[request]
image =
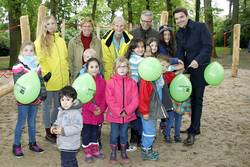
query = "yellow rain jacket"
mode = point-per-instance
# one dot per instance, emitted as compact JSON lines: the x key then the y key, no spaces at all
{"x":110,"y":53}
{"x":56,"y":63}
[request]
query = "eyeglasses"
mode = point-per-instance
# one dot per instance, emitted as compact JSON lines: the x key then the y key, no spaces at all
{"x":122,"y":66}
{"x":146,"y":21}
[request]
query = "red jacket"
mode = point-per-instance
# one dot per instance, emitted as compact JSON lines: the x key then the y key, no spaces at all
{"x":146,"y":90}
{"x":98,"y":101}
{"x":121,"y":91}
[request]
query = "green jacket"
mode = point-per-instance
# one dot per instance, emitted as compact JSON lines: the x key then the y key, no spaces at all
{"x":76,"y":50}
{"x":109,"y":54}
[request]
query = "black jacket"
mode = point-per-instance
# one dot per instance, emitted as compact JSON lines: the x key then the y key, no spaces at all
{"x":139,"y":33}
{"x":194,"y":43}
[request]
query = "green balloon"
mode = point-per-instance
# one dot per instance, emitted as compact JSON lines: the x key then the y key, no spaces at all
{"x":180,"y":88}
{"x":27,"y":88}
{"x":214,"y":74}
{"x":150,"y":69}
{"x":85,"y":87}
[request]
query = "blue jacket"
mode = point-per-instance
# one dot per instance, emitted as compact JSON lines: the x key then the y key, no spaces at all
{"x":194,"y":42}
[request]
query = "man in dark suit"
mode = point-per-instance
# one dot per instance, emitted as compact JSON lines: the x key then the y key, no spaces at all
{"x":194,"y":48}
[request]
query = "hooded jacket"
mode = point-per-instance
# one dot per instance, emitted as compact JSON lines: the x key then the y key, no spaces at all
{"x":121,"y":92}
{"x":98,"y":101}
{"x":56,"y":63}
{"x":109,"y":51}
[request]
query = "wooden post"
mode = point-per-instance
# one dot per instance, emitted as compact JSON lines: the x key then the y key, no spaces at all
{"x":236,"y":50}
{"x":41,"y":15}
{"x":25,"y":28}
{"x":5,"y":89}
{"x":164,"y":18}
{"x":63,"y":29}
{"x":98,"y":30}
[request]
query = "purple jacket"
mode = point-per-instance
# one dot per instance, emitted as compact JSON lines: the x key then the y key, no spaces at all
{"x":121,"y":92}
{"x":98,"y":101}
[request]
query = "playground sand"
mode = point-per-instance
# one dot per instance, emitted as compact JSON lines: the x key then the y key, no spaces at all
{"x":224,"y":139}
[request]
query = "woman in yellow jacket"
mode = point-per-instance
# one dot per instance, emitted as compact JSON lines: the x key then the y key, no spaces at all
{"x":114,"y":44}
{"x":52,"y":55}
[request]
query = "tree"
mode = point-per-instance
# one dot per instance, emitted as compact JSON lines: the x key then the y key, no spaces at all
{"x":197,"y":10}
{"x":94,"y":9}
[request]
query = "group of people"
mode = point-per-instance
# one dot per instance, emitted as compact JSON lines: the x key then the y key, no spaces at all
{"x":126,"y":98}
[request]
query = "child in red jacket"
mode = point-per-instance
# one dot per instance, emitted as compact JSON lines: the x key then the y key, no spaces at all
{"x":122,"y":99}
{"x":93,"y":114}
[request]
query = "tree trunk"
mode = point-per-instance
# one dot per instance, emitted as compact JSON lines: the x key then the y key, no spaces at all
{"x":170,"y":11}
{"x":209,"y":21}
{"x":94,"y":9}
{"x":53,"y":8}
{"x":14,"y":10}
{"x":147,"y":5}
{"x":230,"y":8}
{"x":130,"y":14}
{"x":197,"y":10}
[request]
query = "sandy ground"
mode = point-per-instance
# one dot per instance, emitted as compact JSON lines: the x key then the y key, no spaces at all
{"x":224,"y":139}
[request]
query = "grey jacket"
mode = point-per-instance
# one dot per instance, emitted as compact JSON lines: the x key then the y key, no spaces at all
{"x":139,"y":33}
{"x":71,"y":123}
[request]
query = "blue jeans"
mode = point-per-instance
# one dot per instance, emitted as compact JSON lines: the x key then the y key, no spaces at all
{"x":23,"y":112}
{"x":174,"y":118}
{"x":121,"y":130}
{"x":148,"y":133}
{"x":50,"y":108}
{"x":68,"y":159}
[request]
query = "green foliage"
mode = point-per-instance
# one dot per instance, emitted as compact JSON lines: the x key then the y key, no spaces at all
{"x":4,"y":43}
{"x":70,"y":33}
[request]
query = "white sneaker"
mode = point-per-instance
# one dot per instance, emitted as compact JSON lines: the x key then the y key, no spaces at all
{"x":131,"y":148}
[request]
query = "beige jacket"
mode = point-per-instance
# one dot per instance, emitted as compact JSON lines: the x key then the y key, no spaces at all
{"x":75,"y":49}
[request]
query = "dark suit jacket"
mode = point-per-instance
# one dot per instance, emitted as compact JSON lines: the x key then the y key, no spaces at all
{"x":194,"y":43}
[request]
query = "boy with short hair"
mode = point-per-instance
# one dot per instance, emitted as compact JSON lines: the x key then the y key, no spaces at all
{"x":68,"y":126}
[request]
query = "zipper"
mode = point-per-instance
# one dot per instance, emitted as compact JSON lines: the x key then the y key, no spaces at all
{"x":59,"y":61}
{"x":123,"y":92}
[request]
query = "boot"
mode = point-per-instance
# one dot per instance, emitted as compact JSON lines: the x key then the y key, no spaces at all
{"x":124,"y":155}
{"x":49,"y":136}
{"x":95,"y":151}
{"x":34,"y":147}
{"x":17,"y":151}
{"x":149,"y":154}
{"x":88,"y":156}
{"x":113,"y":154}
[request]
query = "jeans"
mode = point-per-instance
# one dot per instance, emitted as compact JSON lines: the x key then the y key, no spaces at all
{"x":50,"y":108}
{"x":148,"y":133}
{"x":68,"y":159}
{"x":89,"y":134}
{"x":121,"y":130}
{"x":174,"y":118}
{"x":23,"y":112}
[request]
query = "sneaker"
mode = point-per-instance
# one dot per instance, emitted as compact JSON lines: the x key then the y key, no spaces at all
{"x":167,"y":139}
{"x":131,"y":148}
{"x":149,"y":154}
{"x":17,"y":151}
{"x":34,"y":147}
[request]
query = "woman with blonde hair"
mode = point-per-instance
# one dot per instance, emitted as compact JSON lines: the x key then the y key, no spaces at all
{"x":77,"y":45}
{"x":52,"y":55}
{"x":114,"y":44}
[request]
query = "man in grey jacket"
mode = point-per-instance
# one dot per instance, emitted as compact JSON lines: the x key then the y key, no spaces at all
{"x":68,"y":127}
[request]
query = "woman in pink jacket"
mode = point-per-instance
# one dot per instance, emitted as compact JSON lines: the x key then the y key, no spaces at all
{"x":122,"y":100}
{"x":93,"y":114}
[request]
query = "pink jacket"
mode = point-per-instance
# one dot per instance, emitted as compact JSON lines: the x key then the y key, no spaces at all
{"x":118,"y":90}
{"x":98,"y":101}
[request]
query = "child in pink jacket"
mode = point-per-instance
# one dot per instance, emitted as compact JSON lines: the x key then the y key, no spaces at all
{"x":92,"y":114}
{"x":122,"y":100}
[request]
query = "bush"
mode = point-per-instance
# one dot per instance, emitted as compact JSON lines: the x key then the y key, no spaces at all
{"x":4,"y":43}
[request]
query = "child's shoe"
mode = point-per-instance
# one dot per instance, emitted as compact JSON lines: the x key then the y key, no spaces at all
{"x":177,"y":139}
{"x":34,"y":147}
{"x":95,"y":151}
{"x":113,"y":154}
{"x":124,"y":155}
{"x":167,"y":139}
{"x":88,"y":155}
{"x":17,"y":151}
{"x":149,"y":154}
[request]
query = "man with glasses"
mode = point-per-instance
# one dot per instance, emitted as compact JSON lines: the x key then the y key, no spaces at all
{"x":145,"y":30}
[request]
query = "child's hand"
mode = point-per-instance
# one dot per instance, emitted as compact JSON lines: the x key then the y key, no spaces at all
{"x":52,"y":130}
{"x":97,"y":111}
{"x":58,"y":131}
{"x":123,"y":113}
{"x":146,"y":116}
